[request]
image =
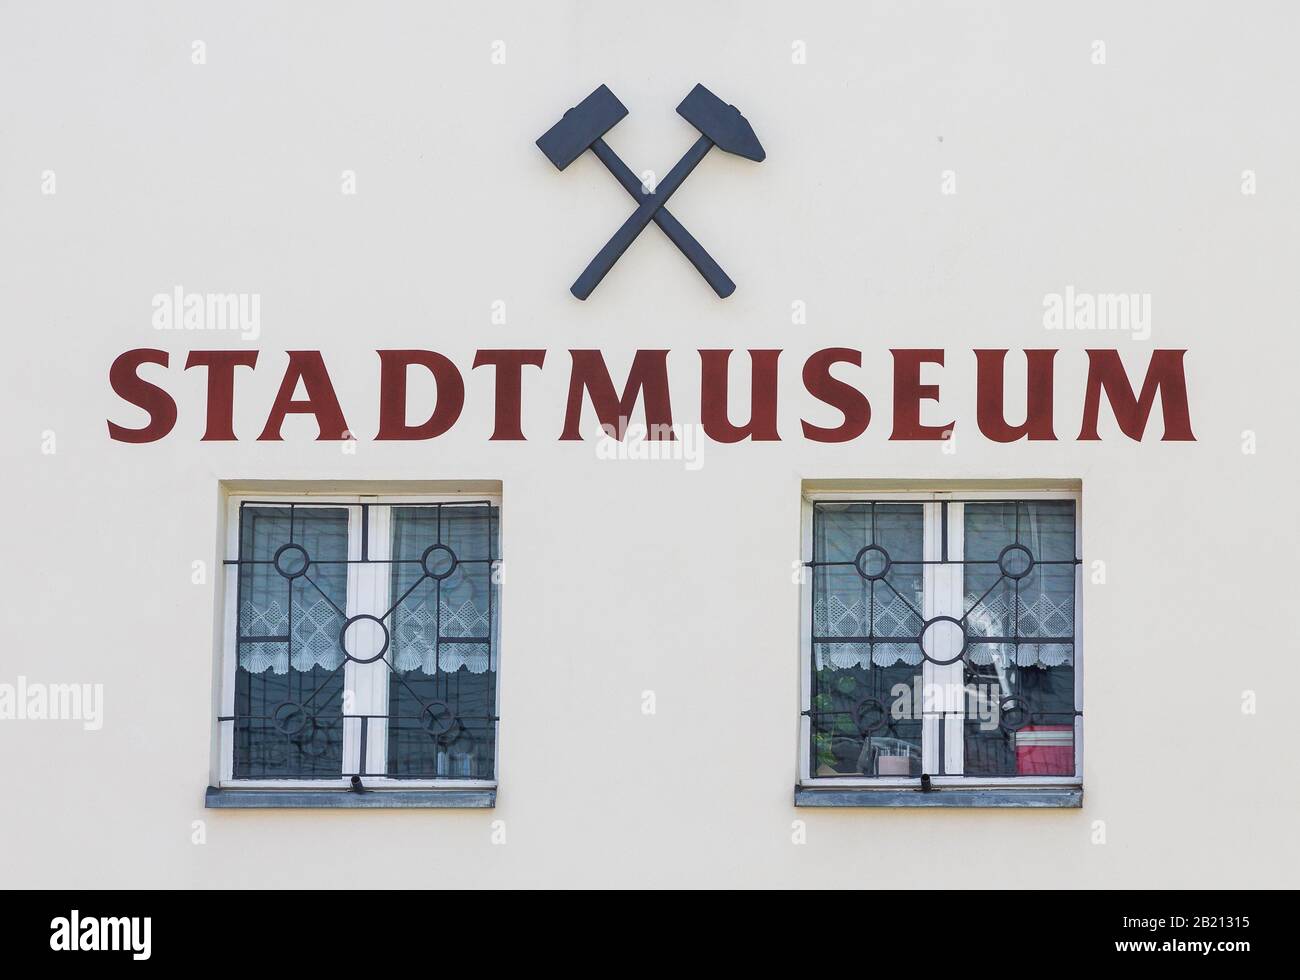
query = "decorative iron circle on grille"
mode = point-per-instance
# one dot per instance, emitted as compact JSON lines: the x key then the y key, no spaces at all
{"x":286,"y":558}
{"x":289,"y":718}
{"x":1011,"y":553}
{"x":438,"y":561}
{"x":867,"y":554}
{"x":437,"y":718}
{"x":357,"y":657}
{"x":936,"y":621}
{"x":1018,"y":708}
{"x":861,"y":708}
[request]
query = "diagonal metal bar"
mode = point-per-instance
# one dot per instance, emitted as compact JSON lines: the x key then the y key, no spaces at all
{"x":393,"y":608}
{"x":313,"y":584}
{"x":903,"y":600}
{"x":976,"y":603}
{"x":328,"y":677}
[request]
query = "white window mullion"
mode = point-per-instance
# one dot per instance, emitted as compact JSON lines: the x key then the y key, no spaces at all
{"x":352,"y":607}
{"x":951,"y":591}
{"x":944,"y":700}
{"x":931,"y":546}
{"x":373,"y":680}
{"x":365,"y":685}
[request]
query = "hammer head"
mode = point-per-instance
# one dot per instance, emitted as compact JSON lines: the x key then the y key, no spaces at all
{"x":721,"y":123}
{"x":581,"y":126}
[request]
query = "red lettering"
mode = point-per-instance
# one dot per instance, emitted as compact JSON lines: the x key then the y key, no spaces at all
{"x":1164,"y":374}
{"x":221,"y":366}
{"x":648,"y":375}
{"x":909,"y":393}
{"x":129,"y":386}
{"x":990,"y":391}
{"x":761,"y":426}
{"x":308,"y":367}
{"x":853,"y":404}
{"x":509,"y":366}
{"x":393,"y":369}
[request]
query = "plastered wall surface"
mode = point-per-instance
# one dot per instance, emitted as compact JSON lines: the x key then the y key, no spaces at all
{"x":1125,"y":176}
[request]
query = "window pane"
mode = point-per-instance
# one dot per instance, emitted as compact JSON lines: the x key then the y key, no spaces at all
{"x":289,"y":680}
{"x":1019,"y":585}
{"x":442,"y":695}
{"x":867,"y":603}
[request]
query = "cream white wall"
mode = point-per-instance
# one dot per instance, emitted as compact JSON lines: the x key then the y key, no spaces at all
{"x":633,"y":576}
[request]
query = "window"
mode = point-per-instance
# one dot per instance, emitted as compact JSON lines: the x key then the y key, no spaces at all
{"x":361,"y":641}
{"x":940,"y":641}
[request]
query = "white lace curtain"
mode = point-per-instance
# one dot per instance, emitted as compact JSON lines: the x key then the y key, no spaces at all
{"x":316,"y":637}
{"x":459,"y":608}
{"x":843,"y":601}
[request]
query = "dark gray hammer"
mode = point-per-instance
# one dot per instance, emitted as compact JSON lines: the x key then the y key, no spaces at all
{"x":584,"y":127}
{"x":719,"y":124}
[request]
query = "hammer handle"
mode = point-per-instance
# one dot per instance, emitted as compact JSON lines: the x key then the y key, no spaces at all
{"x":676,"y":232}
{"x":598,"y":267}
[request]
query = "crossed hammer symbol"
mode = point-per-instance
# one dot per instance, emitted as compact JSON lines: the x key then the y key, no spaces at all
{"x":584,"y":127}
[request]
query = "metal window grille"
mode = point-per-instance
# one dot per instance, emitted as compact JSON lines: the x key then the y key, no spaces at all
{"x":366,"y":640}
{"x":902,"y":662}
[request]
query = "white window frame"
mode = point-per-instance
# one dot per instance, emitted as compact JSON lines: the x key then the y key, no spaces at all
{"x":363,"y":680}
{"x":933,"y":576}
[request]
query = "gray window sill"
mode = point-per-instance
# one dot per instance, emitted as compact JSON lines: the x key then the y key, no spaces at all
{"x":344,"y":799}
{"x":1035,"y":798}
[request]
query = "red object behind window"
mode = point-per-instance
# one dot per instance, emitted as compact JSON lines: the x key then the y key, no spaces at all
{"x":1045,"y":750}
